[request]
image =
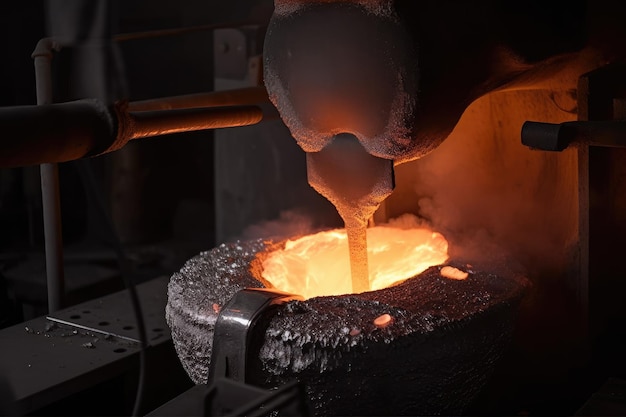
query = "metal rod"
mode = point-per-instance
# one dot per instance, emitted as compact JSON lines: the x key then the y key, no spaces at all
{"x":156,"y":123}
{"x":69,"y":131}
{"x":50,"y":195}
{"x":123,"y":37}
{"x":55,"y":132}
{"x":238,"y":97}
{"x":557,"y":137}
{"x":53,"y":236}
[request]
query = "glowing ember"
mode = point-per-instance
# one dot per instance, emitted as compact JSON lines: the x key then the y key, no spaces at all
{"x":318,"y":264}
{"x":383,"y":321}
{"x":453,"y":273}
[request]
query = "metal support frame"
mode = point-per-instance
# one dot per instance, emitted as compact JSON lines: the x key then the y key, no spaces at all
{"x":189,"y":113}
{"x":599,"y":136}
{"x":232,"y":338}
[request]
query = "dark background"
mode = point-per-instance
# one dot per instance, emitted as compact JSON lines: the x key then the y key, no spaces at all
{"x":160,"y":195}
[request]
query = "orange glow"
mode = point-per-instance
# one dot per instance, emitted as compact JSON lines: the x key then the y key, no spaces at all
{"x":383,"y":321}
{"x":451,"y":272}
{"x":318,"y":264}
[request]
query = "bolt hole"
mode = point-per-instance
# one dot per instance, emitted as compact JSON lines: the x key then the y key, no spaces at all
{"x":119,"y":350}
{"x":128,"y":327}
{"x":75,"y":316}
{"x":157,"y":329}
{"x":103,"y":323}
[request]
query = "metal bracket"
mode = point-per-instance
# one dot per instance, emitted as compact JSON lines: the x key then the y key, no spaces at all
{"x":599,"y":136}
{"x":601,"y":115}
{"x":235,"y":323}
{"x":238,"y":53}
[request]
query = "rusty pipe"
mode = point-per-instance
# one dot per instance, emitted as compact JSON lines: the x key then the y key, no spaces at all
{"x":68,"y":131}
{"x":242,"y":96}
{"x":162,"y":122}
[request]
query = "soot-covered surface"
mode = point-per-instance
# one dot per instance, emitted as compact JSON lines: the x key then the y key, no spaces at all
{"x":433,"y":356}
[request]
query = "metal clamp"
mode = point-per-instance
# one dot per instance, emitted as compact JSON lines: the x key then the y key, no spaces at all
{"x":558,"y":137}
{"x":235,"y":323}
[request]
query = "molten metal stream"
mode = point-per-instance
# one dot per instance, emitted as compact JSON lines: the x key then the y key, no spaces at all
{"x":356,"y":183}
{"x":357,"y":246}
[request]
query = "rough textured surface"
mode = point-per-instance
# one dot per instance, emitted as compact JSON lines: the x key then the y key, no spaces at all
{"x":326,"y":80}
{"x":443,"y":340}
{"x":195,"y":295}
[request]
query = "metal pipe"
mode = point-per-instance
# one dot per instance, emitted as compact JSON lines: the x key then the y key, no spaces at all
{"x":242,"y":96}
{"x":68,"y":131}
{"x":53,"y":236}
{"x":157,"y":123}
{"x":54,"y":132}
{"x":50,"y":195}
{"x":124,"y":37}
{"x":557,"y":137}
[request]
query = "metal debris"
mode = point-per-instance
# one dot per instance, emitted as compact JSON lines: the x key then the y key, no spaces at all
{"x":451,"y":272}
{"x":383,"y":320}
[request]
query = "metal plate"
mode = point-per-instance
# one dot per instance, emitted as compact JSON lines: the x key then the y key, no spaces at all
{"x":42,"y":361}
{"x":113,"y":315}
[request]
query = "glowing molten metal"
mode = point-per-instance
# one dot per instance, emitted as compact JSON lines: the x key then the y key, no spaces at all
{"x":318,"y":265}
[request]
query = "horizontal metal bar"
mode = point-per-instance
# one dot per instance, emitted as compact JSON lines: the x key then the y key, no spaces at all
{"x":124,"y":37}
{"x":68,"y":131}
{"x":236,"y":97}
{"x":156,"y":123}
{"x":557,"y":137}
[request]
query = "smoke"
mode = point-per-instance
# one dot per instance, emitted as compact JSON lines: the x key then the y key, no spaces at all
{"x":407,"y":221}
{"x":496,"y":201}
{"x":290,"y":223}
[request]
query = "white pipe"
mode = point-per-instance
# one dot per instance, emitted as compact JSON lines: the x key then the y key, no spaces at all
{"x":50,"y":185}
